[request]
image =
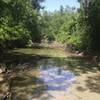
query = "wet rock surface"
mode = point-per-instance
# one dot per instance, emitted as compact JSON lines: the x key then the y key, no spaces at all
{"x":4,"y":91}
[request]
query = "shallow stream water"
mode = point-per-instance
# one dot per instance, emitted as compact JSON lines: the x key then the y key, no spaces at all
{"x":39,"y":73}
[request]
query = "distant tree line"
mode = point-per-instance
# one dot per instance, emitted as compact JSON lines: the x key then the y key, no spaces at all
{"x":22,"y":21}
{"x":79,"y":27}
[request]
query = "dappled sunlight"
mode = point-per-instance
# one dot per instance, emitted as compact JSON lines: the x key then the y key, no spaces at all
{"x":43,"y":77}
{"x":26,"y":86}
{"x":32,"y":83}
{"x":93,"y":83}
{"x":49,"y":52}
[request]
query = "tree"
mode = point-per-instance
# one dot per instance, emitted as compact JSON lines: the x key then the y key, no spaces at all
{"x":61,"y":9}
{"x":18,"y":23}
{"x":37,"y":4}
{"x":90,"y":23}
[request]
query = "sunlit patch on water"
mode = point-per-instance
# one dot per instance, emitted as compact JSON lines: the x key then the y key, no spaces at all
{"x":56,"y":78}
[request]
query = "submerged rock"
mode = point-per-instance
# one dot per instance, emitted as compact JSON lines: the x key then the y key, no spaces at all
{"x":1,"y":78}
{"x":4,"y":91}
{"x":2,"y":70}
{"x":6,"y":96}
{"x":4,"y":87}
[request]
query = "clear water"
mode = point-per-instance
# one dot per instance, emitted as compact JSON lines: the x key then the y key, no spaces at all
{"x":33,"y":83}
{"x":39,"y":72}
{"x":56,"y":78}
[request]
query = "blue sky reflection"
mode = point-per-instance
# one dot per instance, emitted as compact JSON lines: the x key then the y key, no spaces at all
{"x":56,"y":78}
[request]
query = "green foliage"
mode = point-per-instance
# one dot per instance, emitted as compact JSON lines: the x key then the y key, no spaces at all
{"x":80,"y":28}
{"x":18,"y":22}
{"x":90,"y":24}
{"x":62,"y":26}
{"x":21,"y":22}
{"x":10,"y":35}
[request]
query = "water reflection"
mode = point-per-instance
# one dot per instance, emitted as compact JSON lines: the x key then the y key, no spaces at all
{"x":35,"y":75}
{"x":56,"y":78}
{"x":34,"y":83}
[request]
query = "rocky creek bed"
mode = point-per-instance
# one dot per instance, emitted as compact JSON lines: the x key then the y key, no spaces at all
{"x":20,"y":80}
